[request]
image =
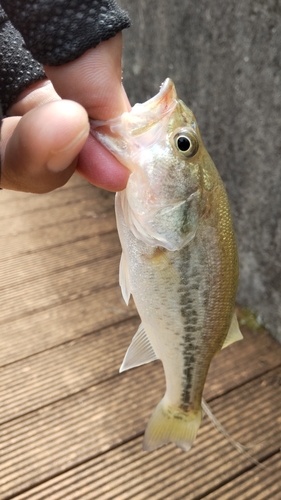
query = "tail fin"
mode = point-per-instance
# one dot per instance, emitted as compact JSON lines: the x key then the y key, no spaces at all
{"x":170,"y":424}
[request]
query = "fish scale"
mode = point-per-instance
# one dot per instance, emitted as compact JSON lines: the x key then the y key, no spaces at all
{"x":179,"y":256}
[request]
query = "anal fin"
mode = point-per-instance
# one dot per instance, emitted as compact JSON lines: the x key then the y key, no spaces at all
{"x":234,"y":333}
{"x":139,"y":352}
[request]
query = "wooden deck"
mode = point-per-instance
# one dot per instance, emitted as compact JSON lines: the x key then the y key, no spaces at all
{"x":71,"y":425}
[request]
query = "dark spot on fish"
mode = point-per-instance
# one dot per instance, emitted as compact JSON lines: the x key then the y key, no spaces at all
{"x":178,"y":416}
{"x":191,"y":358}
{"x":194,"y":286}
{"x":185,"y":407}
{"x":185,"y":299}
{"x":190,"y":345}
{"x":193,"y":320}
{"x":192,"y":328}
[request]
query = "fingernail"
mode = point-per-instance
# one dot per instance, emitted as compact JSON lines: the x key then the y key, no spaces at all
{"x":127,"y":104}
{"x":62,"y":158}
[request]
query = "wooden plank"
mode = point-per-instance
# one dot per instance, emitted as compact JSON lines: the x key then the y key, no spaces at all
{"x":119,"y":470}
{"x":29,"y":222}
{"x":262,"y":484}
{"x":71,"y":426}
{"x":57,"y":373}
{"x":28,"y":267}
{"x":63,"y":285}
{"x":43,"y":221}
{"x":8,"y":196}
{"x":66,"y":434}
{"x":61,"y":198}
{"x":43,"y":378}
{"x":243,"y":360}
{"x":62,"y":323}
{"x":54,"y":235}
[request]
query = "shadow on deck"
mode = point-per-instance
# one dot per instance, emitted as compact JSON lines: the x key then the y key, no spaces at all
{"x":71,"y":425}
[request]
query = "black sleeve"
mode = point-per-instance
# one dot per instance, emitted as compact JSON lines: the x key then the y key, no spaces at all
{"x":59,"y":31}
{"x":52,"y":32}
{"x":18,"y":69}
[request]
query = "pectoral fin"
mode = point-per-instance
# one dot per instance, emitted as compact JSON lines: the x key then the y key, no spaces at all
{"x":234,"y":333}
{"x":140,"y":351}
{"x":124,"y":279}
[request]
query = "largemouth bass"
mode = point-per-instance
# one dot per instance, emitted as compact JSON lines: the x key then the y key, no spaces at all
{"x":179,"y":257}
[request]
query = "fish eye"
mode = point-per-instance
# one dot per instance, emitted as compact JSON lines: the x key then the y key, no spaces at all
{"x":186,"y":143}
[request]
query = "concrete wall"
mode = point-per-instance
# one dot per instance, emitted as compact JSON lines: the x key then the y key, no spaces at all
{"x":225,"y":57}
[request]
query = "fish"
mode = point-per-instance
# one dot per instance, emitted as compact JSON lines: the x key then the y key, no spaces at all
{"x":179,"y":256}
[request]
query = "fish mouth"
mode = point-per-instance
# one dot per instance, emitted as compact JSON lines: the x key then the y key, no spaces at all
{"x":140,"y":127}
{"x":142,"y":114}
{"x":162,"y":103}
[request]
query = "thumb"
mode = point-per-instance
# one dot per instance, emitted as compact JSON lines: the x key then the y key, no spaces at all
{"x":94,"y":80}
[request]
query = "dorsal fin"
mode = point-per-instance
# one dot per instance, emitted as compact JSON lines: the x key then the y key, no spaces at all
{"x":139,"y":352}
{"x":234,"y":333}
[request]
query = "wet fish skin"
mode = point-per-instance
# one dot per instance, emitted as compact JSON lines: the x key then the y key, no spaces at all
{"x":179,"y":257}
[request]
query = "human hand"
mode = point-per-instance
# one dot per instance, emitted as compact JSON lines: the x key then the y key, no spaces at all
{"x":41,"y":150}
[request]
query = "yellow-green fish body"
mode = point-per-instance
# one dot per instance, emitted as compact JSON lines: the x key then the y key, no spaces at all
{"x":179,"y":257}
